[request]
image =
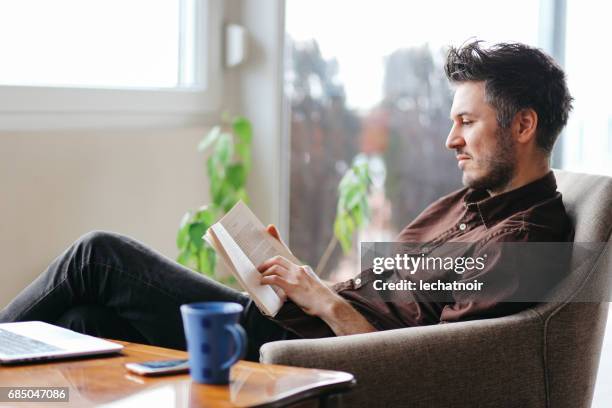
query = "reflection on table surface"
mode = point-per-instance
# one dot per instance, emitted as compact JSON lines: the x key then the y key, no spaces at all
{"x":104,"y":381}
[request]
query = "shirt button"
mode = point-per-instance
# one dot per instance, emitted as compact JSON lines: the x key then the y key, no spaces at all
{"x":462,"y":227}
{"x":357,"y":281}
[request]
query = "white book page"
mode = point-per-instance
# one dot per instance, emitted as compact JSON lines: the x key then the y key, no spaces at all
{"x":249,"y":239}
{"x":251,"y":236}
{"x":246,"y":273}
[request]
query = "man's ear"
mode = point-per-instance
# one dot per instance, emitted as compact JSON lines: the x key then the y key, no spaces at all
{"x":525,"y":124}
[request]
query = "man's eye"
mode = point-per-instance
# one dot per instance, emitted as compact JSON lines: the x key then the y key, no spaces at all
{"x":466,"y":122}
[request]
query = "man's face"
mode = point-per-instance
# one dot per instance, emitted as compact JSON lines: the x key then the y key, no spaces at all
{"x":485,"y":152}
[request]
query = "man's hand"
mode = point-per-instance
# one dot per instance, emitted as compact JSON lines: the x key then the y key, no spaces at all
{"x":299,"y":283}
{"x":311,"y":294}
{"x":271,"y":229}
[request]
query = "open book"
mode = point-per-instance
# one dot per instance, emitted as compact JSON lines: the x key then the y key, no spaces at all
{"x":242,"y":243}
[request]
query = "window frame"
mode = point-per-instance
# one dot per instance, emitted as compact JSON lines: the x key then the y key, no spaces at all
{"x":20,"y":105}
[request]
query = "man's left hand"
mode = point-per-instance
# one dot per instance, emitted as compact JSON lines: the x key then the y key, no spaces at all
{"x":311,"y":294}
{"x":300,"y":284}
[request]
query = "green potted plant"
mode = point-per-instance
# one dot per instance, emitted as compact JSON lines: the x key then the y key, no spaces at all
{"x":227,"y":167}
{"x":352,"y":211}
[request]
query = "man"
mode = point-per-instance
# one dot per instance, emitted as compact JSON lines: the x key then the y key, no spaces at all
{"x":511,"y":103}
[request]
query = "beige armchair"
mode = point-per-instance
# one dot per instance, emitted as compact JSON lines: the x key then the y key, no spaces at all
{"x":545,"y":356}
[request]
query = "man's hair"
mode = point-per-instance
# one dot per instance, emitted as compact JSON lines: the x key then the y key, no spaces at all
{"x":516,"y":77}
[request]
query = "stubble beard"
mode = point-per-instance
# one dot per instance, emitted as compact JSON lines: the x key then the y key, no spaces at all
{"x":499,"y":165}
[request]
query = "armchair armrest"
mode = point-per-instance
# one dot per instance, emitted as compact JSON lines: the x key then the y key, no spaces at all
{"x":494,"y":361}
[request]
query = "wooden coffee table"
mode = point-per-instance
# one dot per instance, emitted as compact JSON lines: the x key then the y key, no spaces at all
{"x":104,"y":380}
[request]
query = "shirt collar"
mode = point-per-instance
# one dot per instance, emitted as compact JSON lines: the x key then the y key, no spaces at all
{"x":504,"y":205}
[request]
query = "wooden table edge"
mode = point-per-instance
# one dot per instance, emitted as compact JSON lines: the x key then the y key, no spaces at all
{"x":319,"y":392}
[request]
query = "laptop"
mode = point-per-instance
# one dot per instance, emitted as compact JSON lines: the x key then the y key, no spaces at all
{"x":34,"y":341}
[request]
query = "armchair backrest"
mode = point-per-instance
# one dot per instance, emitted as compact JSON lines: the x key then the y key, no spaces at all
{"x":573,"y":329}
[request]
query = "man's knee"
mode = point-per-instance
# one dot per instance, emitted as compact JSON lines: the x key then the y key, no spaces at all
{"x":98,"y":239}
{"x":100,"y":247}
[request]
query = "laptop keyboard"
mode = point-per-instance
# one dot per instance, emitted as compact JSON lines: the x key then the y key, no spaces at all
{"x":12,"y":344}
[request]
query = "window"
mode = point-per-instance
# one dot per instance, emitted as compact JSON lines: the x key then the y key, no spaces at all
{"x":110,"y":56}
{"x":586,"y":144}
{"x":367,"y":78}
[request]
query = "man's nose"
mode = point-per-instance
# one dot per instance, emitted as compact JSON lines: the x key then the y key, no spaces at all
{"x":454,"y":140}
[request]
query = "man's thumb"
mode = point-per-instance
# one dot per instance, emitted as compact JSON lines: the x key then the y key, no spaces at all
{"x":273,"y":231}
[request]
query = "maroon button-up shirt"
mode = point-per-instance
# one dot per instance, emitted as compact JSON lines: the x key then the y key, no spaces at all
{"x":532,"y":213}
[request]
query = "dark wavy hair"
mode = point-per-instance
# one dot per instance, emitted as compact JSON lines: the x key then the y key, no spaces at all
{"x":516,"y":77}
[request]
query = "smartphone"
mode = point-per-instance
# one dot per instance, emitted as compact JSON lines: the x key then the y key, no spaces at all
{"x":159,"y":367}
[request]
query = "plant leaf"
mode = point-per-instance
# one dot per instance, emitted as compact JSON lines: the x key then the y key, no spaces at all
{"x":352,"y":209}
{"x":243,"y":152}
{"x":210,"y":138}
{"x":206,"y":215}
{"x":344,"y":232}
{"x":224,"y":149}
{"x":204,"y":265}
{"x":347,"y":180}
{"x":228,"y":200}
{"x":183,"y":257}
{"x":352,"y":198}
{"x":196,"y":231}
{"x":192,"y":260}
{"x":236,"y":175}
{"x":242,"y":194}
{"x":242,"y":128}
{"x":182,"y":237}
{"x":185,"y":219}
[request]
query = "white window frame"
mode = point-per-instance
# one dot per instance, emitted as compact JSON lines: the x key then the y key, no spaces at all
{"x":48,"y":107}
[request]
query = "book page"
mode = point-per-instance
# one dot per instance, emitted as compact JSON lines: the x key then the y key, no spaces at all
{"x":251,"y":236}
{"x":245,"y":272}
{"x":243,"y":243}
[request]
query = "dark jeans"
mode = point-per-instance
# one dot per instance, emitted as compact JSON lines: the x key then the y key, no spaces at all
{"x":112,"y":286}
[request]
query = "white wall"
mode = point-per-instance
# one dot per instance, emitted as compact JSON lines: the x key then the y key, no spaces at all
{"x":261,"y":98}
{"x":55,"y":186}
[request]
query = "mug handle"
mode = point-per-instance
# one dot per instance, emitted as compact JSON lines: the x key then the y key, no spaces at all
{"x":240,"y":340}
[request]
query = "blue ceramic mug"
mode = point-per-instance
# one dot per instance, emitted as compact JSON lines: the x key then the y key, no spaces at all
{"x":215,"y":340}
